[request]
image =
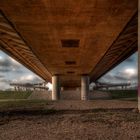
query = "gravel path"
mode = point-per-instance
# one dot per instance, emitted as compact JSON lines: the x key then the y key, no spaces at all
{"x":91,"y":104}
{"x":73,"y":120}
{"x":100,"y":125}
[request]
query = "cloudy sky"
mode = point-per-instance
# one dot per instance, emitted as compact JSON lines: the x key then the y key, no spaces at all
{"x":127,"y":71}
{"x":12,"y":71}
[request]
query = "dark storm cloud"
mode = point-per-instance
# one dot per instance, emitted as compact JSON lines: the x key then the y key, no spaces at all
{"x":124,"y":72}
{"x":7,"y":62}
{"x":4,"y":70}
{"x":130,"y":59}
{"x":120,"y":76}
{"x":9,"y":69}
{"x":1,"y":76}
{"x":7,"y":65}
{"x":12,"y":71}
{"x":112,"y":79}
{"x":5,"y":81}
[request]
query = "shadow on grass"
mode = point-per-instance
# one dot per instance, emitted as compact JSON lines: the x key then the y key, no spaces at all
{"x":30,"y":112}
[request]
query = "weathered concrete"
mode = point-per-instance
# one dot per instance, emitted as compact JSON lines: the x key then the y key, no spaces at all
{"x":139,"y":59}
{"x":70,"y":95}
{"x":56,"y":87}
{"x":84,"y":87}
{"x":40,"y":95}
{"x":69,"y":37}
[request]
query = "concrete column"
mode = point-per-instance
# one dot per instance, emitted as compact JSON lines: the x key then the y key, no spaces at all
{"x":55,"y":87}
{"x":138,"y":56}
{"x":84,"y":87}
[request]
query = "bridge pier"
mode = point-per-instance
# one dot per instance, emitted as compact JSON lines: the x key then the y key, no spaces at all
{"x":139,"y":77}
{"x":55,"y":87}
{"x":84,"y":87}
{"x":139,"y":60}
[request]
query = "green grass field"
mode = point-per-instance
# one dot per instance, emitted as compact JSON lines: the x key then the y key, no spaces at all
{"x":14,"y":94}
{"x":17,"y":99}
{"x":22,"y":104}
{"x":13,"y":97}
{"x":118,"y":94}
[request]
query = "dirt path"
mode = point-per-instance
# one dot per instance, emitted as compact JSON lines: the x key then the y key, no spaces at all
{"x":119,"y":124}
{"x":69,"y":95}
{"x":91,"y":104}
{"x":71,"y":120}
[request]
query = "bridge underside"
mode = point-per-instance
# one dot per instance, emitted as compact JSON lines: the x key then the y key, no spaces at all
{"x":69,"y":38}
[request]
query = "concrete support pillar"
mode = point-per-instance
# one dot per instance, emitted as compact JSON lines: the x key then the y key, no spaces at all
{"x":62,"y":88}
{"x":84,"y":87}
{"x":56,"y":87}
{"x":138,"y":56}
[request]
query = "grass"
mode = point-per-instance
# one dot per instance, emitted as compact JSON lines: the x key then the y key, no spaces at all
{"x":22,"y":104}
{"x":17,"y":99}
{"x":118,"y":94}
{"x":41,"y":104}
{"x":14,"y":94}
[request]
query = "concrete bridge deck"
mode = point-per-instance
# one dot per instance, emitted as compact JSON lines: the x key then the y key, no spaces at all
{"x":69,"y":42}
{"x":69,"y":38}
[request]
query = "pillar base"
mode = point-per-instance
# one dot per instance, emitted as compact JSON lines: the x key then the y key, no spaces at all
{"x":55,"y":88}
{"x":139,"y":103}
{"x":84,"y":87}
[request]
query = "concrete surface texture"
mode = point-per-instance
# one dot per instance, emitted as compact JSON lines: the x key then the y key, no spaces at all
{"x":91,"y":105}
{"x":73,"y":120}
{"x":69,"y":95}
{"x":69,"y":37}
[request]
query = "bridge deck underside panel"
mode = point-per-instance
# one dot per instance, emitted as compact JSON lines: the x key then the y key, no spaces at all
{"x":69,"y":37}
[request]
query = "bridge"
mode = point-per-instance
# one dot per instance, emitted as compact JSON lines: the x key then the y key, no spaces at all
{"x":29,"y":86}
{"x":70,"y":43}
{"x":99,"y":85}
